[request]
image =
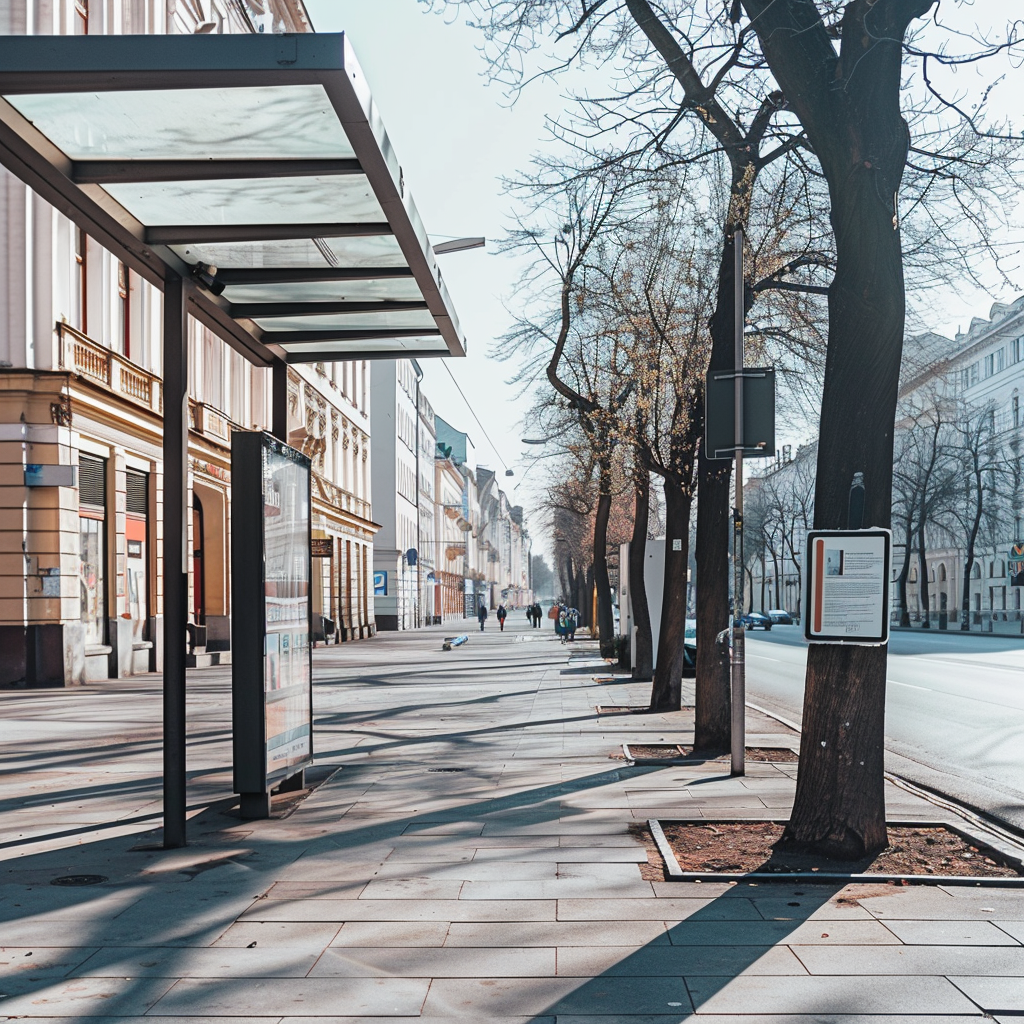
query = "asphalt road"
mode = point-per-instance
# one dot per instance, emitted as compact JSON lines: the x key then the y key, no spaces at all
{"x":954,"y":709}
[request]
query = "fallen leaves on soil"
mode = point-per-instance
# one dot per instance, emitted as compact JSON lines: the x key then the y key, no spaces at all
{"x":752,"y":846}
{"x":679,"y":751}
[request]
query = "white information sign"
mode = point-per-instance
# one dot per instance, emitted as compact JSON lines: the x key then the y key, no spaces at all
{"x":847,"y":587}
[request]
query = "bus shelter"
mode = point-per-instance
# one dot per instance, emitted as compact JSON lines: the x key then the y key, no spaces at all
{"x":249,"y":178}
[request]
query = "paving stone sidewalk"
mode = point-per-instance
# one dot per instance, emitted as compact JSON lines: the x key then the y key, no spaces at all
{"x":467,"y":856}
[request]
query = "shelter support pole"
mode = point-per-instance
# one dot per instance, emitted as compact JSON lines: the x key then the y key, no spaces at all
{"x":739,"y":682}
{"x":175,"y":553}
{"x":279,"y":400}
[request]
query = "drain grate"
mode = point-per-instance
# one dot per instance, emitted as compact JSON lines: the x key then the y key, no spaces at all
{"x":447,"y":770}
{"x":78,"y":880}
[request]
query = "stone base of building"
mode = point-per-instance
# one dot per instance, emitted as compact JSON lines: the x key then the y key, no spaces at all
{"x":45,"y":655}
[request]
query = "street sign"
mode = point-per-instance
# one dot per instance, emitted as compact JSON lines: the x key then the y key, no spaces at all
{"x":847,"y":587}
{"x":380,"y":583}
{"x":758,"y":413}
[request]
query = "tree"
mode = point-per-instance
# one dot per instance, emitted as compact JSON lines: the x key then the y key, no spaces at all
{"x":581,"y":359}
{"x":977,"y":454}
{"x":846,"y":102}
{"x":541,"y":575}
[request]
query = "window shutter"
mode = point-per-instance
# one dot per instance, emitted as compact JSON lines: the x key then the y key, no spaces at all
{"x":137,"y":497}
{"x":92,"y":481}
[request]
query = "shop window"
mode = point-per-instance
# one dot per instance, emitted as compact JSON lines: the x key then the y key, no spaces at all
{"x":137,"y":549}
{"x":92,"y":511}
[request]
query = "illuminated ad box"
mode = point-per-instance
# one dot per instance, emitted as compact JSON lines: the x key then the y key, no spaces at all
{"x":846,"y":587}
{"x":271,"y":655}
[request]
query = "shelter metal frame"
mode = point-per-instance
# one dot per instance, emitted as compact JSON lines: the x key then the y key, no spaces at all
{"x":179,"y":72}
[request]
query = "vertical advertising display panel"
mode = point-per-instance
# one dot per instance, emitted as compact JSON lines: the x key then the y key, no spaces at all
{"x":847,"y":587}
{"x":272,"y":696}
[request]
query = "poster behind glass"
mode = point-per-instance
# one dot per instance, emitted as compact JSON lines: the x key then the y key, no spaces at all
{"x":286,"y":655}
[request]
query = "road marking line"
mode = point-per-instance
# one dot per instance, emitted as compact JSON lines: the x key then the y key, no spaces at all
{"x":763,"y":657}
{"x":910,"y":686}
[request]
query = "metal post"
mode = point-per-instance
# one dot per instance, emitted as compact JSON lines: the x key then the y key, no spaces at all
{"x":279,"y":400}
{"x":739,"y":685}
{"x":175,"y":553}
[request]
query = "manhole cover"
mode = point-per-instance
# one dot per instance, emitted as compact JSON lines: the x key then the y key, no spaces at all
{"x":78,"y":880}
{"x":446,"y":770}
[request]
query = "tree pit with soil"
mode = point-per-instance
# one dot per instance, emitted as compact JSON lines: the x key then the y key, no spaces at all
{"x":679,"y":753}
{"x":925,"y":852}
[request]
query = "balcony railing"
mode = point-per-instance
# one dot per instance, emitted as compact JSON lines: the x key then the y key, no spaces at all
{"x":110,"y":370}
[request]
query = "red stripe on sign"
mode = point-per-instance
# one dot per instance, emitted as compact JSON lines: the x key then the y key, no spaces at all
{"x":819,"y":579}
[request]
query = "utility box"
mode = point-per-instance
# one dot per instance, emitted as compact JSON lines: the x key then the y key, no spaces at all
{"x":654,"y":583}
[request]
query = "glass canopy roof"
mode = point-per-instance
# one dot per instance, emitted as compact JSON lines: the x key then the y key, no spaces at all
{"x":255,"y":166}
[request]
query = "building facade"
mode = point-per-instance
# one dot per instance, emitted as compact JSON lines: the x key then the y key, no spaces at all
{"x":80,"y":397}
{"x":395,"y":425}
{"x":974,"y":382}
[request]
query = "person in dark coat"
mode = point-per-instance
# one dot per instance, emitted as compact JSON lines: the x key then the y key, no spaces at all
{"x":481,"y":614}
{"x":502,"y":615}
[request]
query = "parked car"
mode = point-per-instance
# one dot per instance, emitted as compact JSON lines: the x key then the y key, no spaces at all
{"x":690,"y":648}
{"x":755,"y":620}
{"x":780,"y":617}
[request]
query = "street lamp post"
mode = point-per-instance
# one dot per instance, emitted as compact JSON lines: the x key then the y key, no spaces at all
{"x":739,"y":685}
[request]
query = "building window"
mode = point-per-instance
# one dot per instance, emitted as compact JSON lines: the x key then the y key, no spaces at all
{"x":81,"y":17}
{"x":1015,"y":409}
{"x":974,"y":373}
{"x":964,"y":381}
{"x":92,"y":511}
{"x":80,"y":296}
{"x":124,"y":322}
{"x":137,"y":549}
{"x":1000,"y":359}
{"x":990,"y":364}
{"x":1015,"y":350}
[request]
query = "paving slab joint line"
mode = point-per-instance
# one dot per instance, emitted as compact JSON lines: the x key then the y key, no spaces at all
{"x":1004,"y":830}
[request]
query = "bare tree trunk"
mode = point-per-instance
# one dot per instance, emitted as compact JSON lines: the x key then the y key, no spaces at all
{"x":604,"y":590}
{"x":922,"y":573}
{"x":901,"y":582}
{"x":666,"y":694}
{"x":643,"y":668}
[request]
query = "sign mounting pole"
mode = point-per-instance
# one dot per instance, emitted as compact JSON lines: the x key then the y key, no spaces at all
{"x":739,"y":685}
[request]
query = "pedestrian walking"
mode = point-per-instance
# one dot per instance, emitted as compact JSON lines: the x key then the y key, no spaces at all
{"x":481,"y":614}
{"x":572,"y":619}
{"x":538,"y":614}
{"x":502,"y":615}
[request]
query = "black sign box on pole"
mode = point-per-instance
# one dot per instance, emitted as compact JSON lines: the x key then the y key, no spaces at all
{"x":758,"y":413}
{"x":271,"y":618}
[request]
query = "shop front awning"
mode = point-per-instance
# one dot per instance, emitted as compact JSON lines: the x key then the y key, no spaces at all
{"x":255,"y":167}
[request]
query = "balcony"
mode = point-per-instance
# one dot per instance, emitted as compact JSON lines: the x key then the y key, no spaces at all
{"x":109,"y":370}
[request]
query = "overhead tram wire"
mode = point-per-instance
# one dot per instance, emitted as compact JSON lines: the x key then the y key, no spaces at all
{"x":494,"y":447}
